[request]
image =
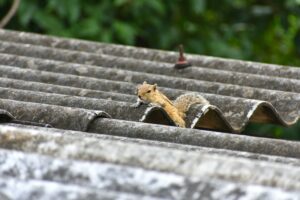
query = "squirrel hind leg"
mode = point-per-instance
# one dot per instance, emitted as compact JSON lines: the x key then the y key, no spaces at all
{"x":182,"y":115}
{"x":180,"y":123}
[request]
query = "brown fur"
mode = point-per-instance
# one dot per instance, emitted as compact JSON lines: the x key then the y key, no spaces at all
{"x":177,"y":110}
{"x":184,"y":102}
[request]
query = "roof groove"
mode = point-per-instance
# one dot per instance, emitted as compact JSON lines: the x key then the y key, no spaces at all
{"x":110,"y":176}
{"x":238,"y":117}
{"x":61,"y":145}
{"x":78,"y":119}
{"x":66,"y":90}
{"x":181,"y":162}
{"x":57,"y":116}
{"x":235,"y":119}
{"x":207,"y":87}
{"x":183,"y":147}
{"x":194,"y":73}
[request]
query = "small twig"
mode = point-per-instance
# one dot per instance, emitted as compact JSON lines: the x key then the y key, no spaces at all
{"x":10,"y":14}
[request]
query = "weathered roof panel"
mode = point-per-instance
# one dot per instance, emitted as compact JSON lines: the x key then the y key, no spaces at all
{"x":103,"y":180}
{"x":152,"y":158}
{"x":151,"y":67}
{"x":151,"y":54}
{"x":185,"y":80}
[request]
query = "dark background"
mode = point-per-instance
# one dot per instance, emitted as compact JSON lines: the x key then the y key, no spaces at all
{"x":257,"y":30}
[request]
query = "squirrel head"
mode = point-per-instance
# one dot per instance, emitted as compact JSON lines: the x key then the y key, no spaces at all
{"x":146,"y":92}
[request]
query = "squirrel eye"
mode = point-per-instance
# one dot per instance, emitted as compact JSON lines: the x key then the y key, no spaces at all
{"x":148,"y":91}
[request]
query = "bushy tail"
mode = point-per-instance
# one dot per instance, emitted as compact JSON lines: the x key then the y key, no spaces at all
{"x":184,"y":102}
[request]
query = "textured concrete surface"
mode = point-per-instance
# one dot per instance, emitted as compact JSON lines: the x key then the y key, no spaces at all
{"x":37,"y":176}
{"x":125,"y":67}
{"x":236,"y":111}
{"x":208,"y":62}
{"x":171,"y":145}
{"x":125,"y":181}
{"x":190,"y":164}
{"x":56,"y":116}
{"x":110,"y":73}
{"x":15,"y":189}
{"x":86,"y":120}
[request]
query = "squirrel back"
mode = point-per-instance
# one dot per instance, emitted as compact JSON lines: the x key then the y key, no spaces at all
{"x":185,"y":101}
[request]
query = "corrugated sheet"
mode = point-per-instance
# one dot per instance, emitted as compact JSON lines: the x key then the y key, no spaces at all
{"x":239,"y":97}
{"x":90,"y":87}
{"x":148,"y":169}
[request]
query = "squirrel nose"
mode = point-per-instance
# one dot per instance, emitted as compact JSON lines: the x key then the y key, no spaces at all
{"x":140,"y":96}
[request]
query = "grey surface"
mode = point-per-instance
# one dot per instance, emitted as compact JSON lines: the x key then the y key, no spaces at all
{"x":60,"y":89}
{"x":201,"y":148}
{"x":117,"y":109}
{"x":197,"y":137}
{"x":151,"y":54}
{"x":100,"y":176}
{"x":279,"y":99}
{"x":93,"y":121}
{"x":237,"y":111}
{"x":125,"y":68}
{"x":15,"y":189}
{"x":189,"y":164}
{"x":56,"y":116}
{"x":52,"y":178}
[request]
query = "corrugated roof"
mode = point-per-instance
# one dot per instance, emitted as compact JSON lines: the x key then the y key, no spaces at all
{"x":240,"y":97}
{"x":156,"y":169}
{"x":90,"y":87}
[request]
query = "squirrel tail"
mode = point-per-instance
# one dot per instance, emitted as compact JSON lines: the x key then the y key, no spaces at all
{"x":184,"y":102}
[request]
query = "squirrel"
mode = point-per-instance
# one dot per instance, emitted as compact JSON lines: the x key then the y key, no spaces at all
{"x":149,"y":94}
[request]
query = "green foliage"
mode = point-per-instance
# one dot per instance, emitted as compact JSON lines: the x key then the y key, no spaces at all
{"x":274,"y":131}
{"x":256,"y":30}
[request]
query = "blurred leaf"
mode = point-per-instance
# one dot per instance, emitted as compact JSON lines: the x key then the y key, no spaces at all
{"x":3,"y":2}
{"x":48,"y":22}
{"x":73,"y":10}
{"x":157,"y":6}
{"x":120,"y":2}
{"x":106,"y":36}
{"x":88,"y":28}
{"x":26,"y":12}
{"x":198,"y":6}
{"x":124,"y":32}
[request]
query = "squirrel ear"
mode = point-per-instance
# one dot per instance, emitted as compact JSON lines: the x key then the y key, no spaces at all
{"x":144,"y":82}
{"x":154,"y":86}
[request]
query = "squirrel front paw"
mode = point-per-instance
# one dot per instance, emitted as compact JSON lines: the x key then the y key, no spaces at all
{"x":136,"y":105}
